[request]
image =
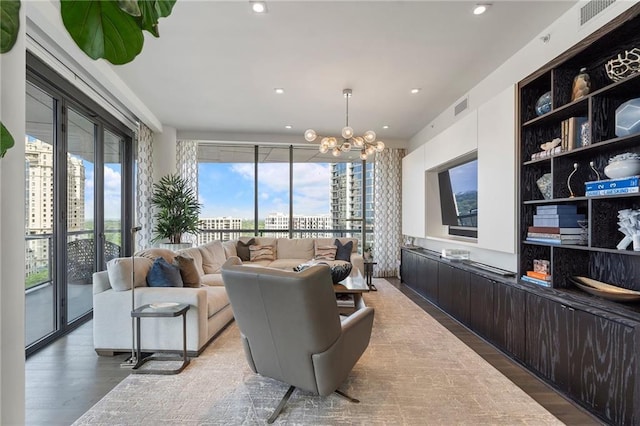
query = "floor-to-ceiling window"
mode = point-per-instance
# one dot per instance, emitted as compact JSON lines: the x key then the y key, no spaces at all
{"x":78,"y":161}
{"x":281,"y":191}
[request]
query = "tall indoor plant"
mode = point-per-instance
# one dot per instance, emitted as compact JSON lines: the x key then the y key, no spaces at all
{"x":177,"y":209}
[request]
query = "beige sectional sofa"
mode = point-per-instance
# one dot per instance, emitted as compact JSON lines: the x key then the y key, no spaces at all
{"x":210,"y":310}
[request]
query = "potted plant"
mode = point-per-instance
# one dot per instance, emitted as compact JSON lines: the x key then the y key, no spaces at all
{"x":368,"y":252}
{"x":177,"y":209}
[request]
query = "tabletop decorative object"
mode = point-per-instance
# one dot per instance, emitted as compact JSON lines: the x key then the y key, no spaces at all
{"x":581,"y":85}
{"x":623,"y":165}
{"x":543,"y":105}
{"x":575,"y":169}
{"x":544,"y":185}
{"x":629,"y":225}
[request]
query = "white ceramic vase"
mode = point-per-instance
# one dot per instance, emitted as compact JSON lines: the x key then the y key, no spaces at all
{"x":621,"y":169}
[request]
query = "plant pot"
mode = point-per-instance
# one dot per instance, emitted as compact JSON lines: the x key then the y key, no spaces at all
{"x":175,"y":247}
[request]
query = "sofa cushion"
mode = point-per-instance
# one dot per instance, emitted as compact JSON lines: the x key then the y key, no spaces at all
{"x":325,"y":252}
{"x":296,"y":248}
{"x":259,"y":252}
{"x":212,"y":280}
{"x":268,"y":241}
{"x":230,"y":249}
{"x":163,"y":274}
{"x":343,"y":251}
{"x":242,"y":249}
{"x":217,"y":300}
{"x":119,"y":272}
{"x":196,"y":255}
{"x":154,"y":253}
{"x":188,"y":270}
{"x":212,"y":257}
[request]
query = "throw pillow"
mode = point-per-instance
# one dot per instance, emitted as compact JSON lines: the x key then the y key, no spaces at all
{"x":343,"y":252}
{"x":326,"y":252}
{"x":188,"y":271}
{"x":163,"y":274}
{"x":119,"y":272}
{"x":257,"y":252}
{"x":242,"y":248}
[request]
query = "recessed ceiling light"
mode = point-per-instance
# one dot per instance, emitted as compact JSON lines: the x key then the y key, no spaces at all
{"x":279,"y":90}
{"x":386,"y":126}
{"x":258,"y":6}
{"x":415,"y":90}
{"x":288,"y":126}
{"x":480,"y":8}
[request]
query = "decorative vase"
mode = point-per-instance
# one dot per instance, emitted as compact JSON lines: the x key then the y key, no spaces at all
{"x":543,"y":105}
{"x":581,"y":85}
{"x":544,"y":184}
{"x":585,"y":134}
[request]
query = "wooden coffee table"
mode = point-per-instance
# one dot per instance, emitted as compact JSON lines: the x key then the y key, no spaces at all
{"x":353,"y":285}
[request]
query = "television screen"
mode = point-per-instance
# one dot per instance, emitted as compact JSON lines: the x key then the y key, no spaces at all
{"x":459,"y":198}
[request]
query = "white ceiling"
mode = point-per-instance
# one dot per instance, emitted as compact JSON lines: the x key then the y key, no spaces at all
{"x":216,"y":64}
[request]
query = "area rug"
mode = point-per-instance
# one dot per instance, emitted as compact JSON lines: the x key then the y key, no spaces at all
{"x":415,"y":372}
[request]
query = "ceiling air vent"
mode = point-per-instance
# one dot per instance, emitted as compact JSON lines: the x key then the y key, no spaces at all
{"x":461,"y":106}
{"x":592,"y":8}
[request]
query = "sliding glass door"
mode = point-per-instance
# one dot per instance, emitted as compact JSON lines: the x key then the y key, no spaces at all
{"x":75,"y":203}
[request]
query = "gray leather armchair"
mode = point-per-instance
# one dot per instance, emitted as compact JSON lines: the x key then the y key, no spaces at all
{"x":291,"y":328}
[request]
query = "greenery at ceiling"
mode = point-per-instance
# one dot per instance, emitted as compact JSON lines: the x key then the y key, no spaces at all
{"x":177,"y":209}
{"x":108,"y":29}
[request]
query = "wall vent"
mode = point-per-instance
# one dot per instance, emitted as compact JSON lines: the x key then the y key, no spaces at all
{"x":461,"y":106}
{"x":592,"y":8}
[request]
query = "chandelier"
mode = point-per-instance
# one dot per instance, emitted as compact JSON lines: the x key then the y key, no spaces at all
{"x":366,"y":143}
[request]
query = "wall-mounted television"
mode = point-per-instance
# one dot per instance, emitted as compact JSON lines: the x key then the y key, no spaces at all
{"x":458,"y":186}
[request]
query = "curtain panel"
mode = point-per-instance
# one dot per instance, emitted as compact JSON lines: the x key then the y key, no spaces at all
{"x":187,"y":167}
{"x":144,"y":187}
{"x":387,"y":233}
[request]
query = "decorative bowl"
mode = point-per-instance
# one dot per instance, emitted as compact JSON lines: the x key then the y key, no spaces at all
{"x":628,"y":118}
{"x":624,"y":65}
{"x":543,"y":105}
{"x":604,"y":290}
{"x":340,"y":271}
{"x":623,"y":168}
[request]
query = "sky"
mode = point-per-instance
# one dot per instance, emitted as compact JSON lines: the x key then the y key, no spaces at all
{"x":464,"y":177}
{"x":227,"y":189}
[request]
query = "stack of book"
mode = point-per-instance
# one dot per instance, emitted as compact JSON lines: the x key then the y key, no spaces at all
{"x":557,"y":215}
{"x":570,"y":133}
{"x":626,"y":185}
{"x":540,"y":275}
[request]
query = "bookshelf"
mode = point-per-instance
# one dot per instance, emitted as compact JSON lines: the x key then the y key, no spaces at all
{"x":598,"y":258}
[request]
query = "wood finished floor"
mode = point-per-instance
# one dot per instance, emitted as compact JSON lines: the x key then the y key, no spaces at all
{"x":66,"y":378}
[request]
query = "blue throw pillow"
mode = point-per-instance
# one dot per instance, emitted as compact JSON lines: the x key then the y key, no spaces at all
{"x":344,"y":251}
{"x":163,"y":274}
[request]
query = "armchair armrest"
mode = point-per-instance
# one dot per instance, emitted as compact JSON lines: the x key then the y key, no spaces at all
{"x":334,"y":364}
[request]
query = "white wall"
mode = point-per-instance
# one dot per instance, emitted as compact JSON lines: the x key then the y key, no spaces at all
{"x":164,"y":153}
{"x":487,"y":103}
{"x":12,"y":245}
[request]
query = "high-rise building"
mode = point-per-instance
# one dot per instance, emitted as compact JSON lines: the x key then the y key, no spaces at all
{"x":346,"y":196}
{"x":300,"y":222}
{"x":39,"y":208}
{"x":220,"y":224}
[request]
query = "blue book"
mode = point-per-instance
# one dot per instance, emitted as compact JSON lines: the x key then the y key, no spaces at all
{"x":627,"y":182}
{"x":535,"y":281}
{"x":613,"y":191}
{"x":555,"y":241}
{"x":557,"y":209}
{"x":559,"y":220}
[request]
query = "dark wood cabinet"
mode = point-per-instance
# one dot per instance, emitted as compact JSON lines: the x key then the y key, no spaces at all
{"x":481,"y":305}
{"x":508,"y":331}
{"x":588,"y":353}
{"x":548,"y":345}
{"x":604,"y":376}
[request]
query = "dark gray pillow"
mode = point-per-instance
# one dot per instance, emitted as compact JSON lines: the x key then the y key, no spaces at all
{"x":344,"y":251}
{"x":243,"y":249}
{"x":163,"y":274}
